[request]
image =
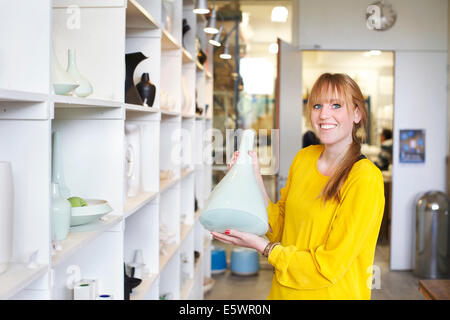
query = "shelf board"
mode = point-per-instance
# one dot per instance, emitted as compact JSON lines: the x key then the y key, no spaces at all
{"x":186,"y":289}
{"x":185,"y":173}
{"x":80,"y":236}
{"x":165,"y":184}
{"x":187,"y":57}
{"x":140,"y":291}
{"x":163,"y":259}
{"x":135,"y":107}
{"x":184,"y":230}
{"x":14,"y":95}
{"x":61,"y":101}
{"x":135,"y":203}
{"x":170,"y":113}
{"x":200,"y":67}
{"x":17,"y":277}
{"x":187,"y":116}
{"x":208,"y":75}
{"x":168,"y":42}
{"x":138,"y":17}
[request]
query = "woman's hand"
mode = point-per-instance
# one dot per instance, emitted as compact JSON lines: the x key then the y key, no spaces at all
{"x":255,"y":162}
{"x":242,"y":239}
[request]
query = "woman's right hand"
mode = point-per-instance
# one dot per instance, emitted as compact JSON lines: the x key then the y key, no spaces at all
{"x":255,"y":162}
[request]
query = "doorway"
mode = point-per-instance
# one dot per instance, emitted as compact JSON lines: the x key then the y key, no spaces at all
{"x":374,"y":72}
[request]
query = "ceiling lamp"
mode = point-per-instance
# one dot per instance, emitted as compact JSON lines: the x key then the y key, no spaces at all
{"x":225,"y":55}
{"x":279,"y":14}
{"x":215,"y":41}
{"x":211,"y":27}
{"x":201,"y":7}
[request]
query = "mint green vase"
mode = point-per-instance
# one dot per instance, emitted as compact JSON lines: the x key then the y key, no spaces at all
{"x":237,"y":202}
{"x":60,"y":219}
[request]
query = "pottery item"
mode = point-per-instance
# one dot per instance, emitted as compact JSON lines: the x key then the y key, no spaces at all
{"x":236,"y":202}
{"x":61,"y":210}
{"x":95,"y":209}
{"x":6,"y":214}
{"x":185,"y":29}
{"x":58,"y":166}
{"x":85,"y":88}
{"x":63,"y":83}
{"x":133,"y":159}
{"x":131,"y":62}
{"x":146,"y":90}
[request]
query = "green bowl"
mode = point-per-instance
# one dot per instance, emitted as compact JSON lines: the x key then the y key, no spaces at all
{"x":94,"y":210}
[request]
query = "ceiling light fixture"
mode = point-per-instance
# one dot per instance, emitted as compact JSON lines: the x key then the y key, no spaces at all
{"x":225,"y":55}
{"x":215,"y":41}
{"x":211,"y":27}
{"x":279,"y":14}
{"x":201,"y":7}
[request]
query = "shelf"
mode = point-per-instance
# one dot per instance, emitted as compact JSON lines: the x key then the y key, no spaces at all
{"x":13,"y":95}
{"x":208,"y":75}
{"x":17,"y":277}
{"x":170,"y":113}
{"x":135,"y":203}
{"x":77,"y":102}
{"x":140,"y":291}
{"x":187,"y":287}
{"x":138,"y":17}
{"x":187,"y":57}
{"x":81,"y":235}
{"x":188,"y":116}
{"x":135,"y":107}
{"x":168,"y":42}
{"x":199,"y":67}
{"x":184,"y":230}
{"x":165,"y":184}
{"x":163,"y":259}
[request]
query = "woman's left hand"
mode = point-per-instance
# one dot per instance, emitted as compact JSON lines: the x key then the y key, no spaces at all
{"x":242,"y":239}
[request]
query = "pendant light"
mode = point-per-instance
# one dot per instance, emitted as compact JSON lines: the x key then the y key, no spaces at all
{"x":201,"y":7}
{"x":225,"y":55}
{"x":215,"y":41}
{"x":211,"y":28}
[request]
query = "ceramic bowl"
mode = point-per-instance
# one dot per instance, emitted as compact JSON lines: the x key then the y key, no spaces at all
{"x":94,"y":210}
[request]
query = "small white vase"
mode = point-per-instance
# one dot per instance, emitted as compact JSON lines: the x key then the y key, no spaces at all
{"x":63,"y":83}
{"x":6,"y":214}
{"x":85,"y":87}
{"x":61,"y":210}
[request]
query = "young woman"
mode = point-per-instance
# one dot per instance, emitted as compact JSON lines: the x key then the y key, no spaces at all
{"x":323,"y":230}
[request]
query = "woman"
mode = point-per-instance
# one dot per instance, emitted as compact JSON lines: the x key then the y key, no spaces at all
{"x":323,"y":230}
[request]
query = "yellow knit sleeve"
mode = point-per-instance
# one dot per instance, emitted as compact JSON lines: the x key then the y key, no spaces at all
{"x":275,"y":211}
{"x":359,"y":212}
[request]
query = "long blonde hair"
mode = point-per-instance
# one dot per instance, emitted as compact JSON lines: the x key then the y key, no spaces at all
{"x":347,"y":90}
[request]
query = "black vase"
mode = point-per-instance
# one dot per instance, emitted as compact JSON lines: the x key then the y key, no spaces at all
{"x":186,"y":28}
{"x":201,"y":57}
{"x":131,"y":62}
{"x":130,"y":283}
{"x":146,"y":89}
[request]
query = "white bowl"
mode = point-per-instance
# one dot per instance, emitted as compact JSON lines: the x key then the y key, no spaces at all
{"x":94,"y":210}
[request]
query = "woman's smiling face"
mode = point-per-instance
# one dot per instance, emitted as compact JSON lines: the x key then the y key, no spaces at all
{"x":332,"y":120}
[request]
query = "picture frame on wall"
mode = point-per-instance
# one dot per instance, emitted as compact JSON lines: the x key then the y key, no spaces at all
{"x":412,"y":146}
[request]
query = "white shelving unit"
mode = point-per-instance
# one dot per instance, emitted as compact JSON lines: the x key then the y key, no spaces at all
{"x":94,"y":133}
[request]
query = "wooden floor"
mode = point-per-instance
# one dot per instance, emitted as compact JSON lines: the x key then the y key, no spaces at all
{"x":394,"y":285}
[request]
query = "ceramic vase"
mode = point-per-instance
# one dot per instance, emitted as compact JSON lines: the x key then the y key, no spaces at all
{"x":133,"y":159}
{"x":147,"y":90}
{"x":85,"y":88}
{"x":58,"y":167}
{"x":6,"y":214}
{"x":131,"y":62}
{"x":63,"y":83}
{"x":61,"y":209}
{"x":186,"y":28}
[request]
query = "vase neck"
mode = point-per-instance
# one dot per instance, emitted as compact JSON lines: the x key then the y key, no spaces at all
{"x":55,"y":190}
{"x":71,"y":58}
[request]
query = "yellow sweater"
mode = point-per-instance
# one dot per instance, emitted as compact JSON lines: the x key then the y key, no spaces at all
{"x":326,"y":250}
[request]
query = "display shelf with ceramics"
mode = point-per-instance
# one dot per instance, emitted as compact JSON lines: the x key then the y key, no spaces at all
{"x":186,"y":263}
{"x":141,"y":247}
{"x":56,"y":235}
{"x":101,"y":261}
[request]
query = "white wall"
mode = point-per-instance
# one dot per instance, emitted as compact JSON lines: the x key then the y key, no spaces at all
{"x":419,"y":39}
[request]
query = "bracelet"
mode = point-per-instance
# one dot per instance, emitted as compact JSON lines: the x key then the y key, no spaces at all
{"x":269,"y":248}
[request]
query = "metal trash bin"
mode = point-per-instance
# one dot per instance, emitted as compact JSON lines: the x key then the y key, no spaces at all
{"x":432,"y":236}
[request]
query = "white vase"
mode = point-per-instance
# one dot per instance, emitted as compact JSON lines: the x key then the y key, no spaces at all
{"x":63,"y":83}
{"x":58,"y":166}
{"x":6,"y":214}
{"x":85,"y":87}
{"x":61,"y":210}
{"x":133,"y":159}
